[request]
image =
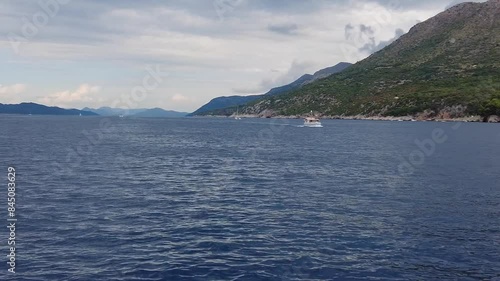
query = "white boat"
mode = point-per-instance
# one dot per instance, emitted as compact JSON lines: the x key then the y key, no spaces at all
{"x":312,"y":122}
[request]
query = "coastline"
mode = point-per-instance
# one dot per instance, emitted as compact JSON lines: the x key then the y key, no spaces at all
{"x":475,"y":118}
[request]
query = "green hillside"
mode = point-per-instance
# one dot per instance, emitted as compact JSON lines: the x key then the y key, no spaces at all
{"x":446,"y":66}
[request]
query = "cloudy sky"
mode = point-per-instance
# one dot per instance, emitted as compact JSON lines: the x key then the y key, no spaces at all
{"x":77,"y":53}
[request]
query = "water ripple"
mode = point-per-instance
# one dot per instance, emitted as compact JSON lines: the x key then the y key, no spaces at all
{"x":203,"y":199}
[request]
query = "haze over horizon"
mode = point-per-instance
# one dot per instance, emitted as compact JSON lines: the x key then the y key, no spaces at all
{"x":76,"y":54}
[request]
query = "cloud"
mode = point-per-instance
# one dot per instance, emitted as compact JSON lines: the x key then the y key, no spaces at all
{"x":13,"y":89}
{"x":285,"y":28}
{"x":84,"y":94}
{"x":10,"y":94}
{"x":372,"y":47}
{"x":179,"y":98}
{"x":178,"y":101}
{"x":456,"y":2}
{"x":296,"y":70}
{"x":110,"y":42}
{"x":177,"y":33}
{"x":359,"y":35}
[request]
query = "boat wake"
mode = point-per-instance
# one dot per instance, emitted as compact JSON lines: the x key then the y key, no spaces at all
{"x":303,"y":126}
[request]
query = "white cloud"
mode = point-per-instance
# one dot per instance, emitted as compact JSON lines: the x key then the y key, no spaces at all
{"x":11,"y":93}
{"x":279,"y":78}
{"x":84,"y":94}
{"x":179,"y":98}
{"x":242,"y":50}
{"x":177,"y":101}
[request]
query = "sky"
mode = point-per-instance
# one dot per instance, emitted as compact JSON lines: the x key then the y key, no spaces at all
{"x":178,"y":55}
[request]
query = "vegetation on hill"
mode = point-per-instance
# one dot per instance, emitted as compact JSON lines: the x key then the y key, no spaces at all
{"x":228,"y":105}
{"x":447,"y":66}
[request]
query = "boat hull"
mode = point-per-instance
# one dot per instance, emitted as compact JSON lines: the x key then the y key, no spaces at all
{"x":316,"y":125}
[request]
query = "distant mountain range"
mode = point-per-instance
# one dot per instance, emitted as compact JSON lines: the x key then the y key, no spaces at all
{"x":27,"y":108}
{"x":108,"y":111}
{"x":38,"y":109}
{"x":144,"y":112}
{"x":158,"y":112}
{"x":223,"y":105}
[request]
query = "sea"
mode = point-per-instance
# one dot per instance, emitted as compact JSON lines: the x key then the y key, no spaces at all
{"x":104,"y":198}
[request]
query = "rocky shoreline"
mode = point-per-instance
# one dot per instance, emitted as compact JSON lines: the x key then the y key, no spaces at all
{"x":477,"y":118}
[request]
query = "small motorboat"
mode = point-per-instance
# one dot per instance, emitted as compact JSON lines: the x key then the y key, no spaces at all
{"x":312,"y":122}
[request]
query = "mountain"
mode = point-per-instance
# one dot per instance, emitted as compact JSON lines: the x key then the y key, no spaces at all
{"x":158,"y":112}
{"x":108,"y":111}
{"x":142,"y":112}
{"x":323,"y":73}
{"x":38,"y":109}
{"x":224,"y":102}
{"x":445,"y":67}
{"x":227,"y":105}
{"x":295,"y":84}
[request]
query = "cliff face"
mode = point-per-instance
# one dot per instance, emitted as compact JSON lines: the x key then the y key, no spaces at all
{"x":449,"y":62}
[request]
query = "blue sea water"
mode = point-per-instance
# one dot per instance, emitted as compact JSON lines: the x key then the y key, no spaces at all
{"x":255,"y":199}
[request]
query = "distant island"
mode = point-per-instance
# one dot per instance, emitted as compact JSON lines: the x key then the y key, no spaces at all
{"x":142,"y":112}
{"x":29,"y":108}
{"x":445,"y":68}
